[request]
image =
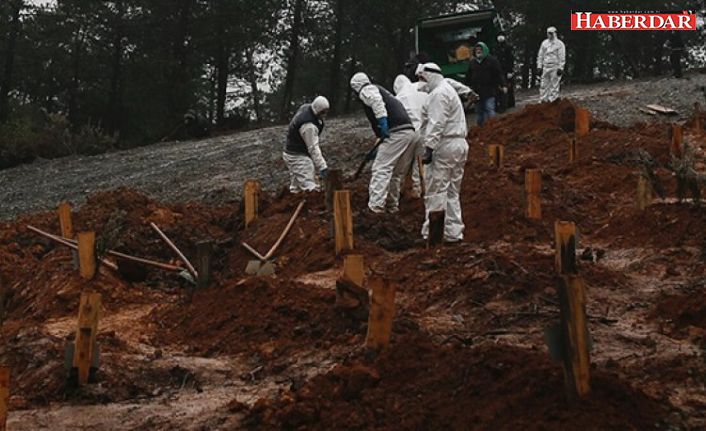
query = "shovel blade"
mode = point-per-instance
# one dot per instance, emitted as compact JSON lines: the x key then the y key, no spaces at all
{"x":253,"y":267}
{"x":266,"y":269}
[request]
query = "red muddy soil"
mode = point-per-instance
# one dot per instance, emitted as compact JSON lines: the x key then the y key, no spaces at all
{"x":467,"y":349}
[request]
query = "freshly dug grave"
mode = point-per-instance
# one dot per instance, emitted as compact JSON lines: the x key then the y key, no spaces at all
{"x":419,"y":385}
{"x":265,"y":315}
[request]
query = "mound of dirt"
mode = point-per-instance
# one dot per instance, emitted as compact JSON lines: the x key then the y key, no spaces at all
{"x":682,"y":311}
{"x":265,"y":315}
{"x":418,"y":385}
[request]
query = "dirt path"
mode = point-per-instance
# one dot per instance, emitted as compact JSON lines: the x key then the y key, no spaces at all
{"x":210,"y":170}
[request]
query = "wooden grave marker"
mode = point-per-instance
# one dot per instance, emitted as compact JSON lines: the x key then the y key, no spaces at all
{"x":583,"y":122}
{"x":575,"y":337}
{"x":87,"y":254}
{"x":573,"y":150}
{"x":67,"y":227}
{"x":353,"y":269}
{"x":251,"y":199}
{"x":88,"y":315}
{"x":533,"y":188}
{"x":496,"y":155}
{"x":644,"y":192}
{"x":382,"y":313}
{"x":343,"y":221}
{"x":565,"y":247}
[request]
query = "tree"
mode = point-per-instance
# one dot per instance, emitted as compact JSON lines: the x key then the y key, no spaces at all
{"x":292,"y":57}
{"x":13,"y":31}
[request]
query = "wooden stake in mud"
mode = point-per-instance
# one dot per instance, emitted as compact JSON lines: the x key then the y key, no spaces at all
{"x":204,"y":250}
{"x":573,"y":151}
{"x":88,"y":315}
{"x":251,"y":199}
{"x":574,"y":330}
{"x":677,"y":135}
{"x":353,"y":269}
{"x":496,"y":154}
{"x":333,"y":182}
{"x":644,"y":193}
{"x":436,"y":228}
{"x":583,"y":122}
{"x":533,"y":188}
{"x":351,"y":295}
{"x":343,"y":221}
{"x":87,"y":254}
{"x":382,"y":313}
{"x":565,"y":247}
{"x":4,"y":395}
{"x":67,"y":227}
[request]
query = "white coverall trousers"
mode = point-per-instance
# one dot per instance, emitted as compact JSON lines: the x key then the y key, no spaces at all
{"x":416,"y":178}
{"x":302,"y":176}
{"x":393,"y":160}
{"x":549,"y":87}
{"x":443,"y":186}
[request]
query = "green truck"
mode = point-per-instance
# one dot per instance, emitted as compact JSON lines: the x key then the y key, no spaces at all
{"x":448,"y":40}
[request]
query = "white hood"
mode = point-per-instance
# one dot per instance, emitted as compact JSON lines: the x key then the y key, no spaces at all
{"x":431,"y":74}
{"x":358,"y":81}
{"x":401,"y":84}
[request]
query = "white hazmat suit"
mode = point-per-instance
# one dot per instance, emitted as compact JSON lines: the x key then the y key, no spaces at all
{"x":551,"y":59}
{"x":302,"y":166}
{"x":413,"y":101}
{"x":395,"y":154}
{"x":444,"y":133}
{"x":414,"y":97}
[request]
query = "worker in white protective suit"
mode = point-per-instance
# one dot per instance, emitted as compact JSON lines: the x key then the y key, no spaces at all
{"x":302,"y":153}
{"x":445,"y":152}
{"x":394,"y":129}
{"x":413,"y":101}
{"x":550,"y":66}
{"x":414,"y":97}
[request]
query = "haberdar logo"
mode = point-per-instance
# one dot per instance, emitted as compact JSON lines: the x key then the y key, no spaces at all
{"x":685,"y":20}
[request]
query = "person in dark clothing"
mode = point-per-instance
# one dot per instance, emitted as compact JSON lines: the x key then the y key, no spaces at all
{"x":677,"y":48}
{"x":485,"y":77}
{"x":195,"y":124}
{"x":410,"y":67}
{"x":506,"y":57}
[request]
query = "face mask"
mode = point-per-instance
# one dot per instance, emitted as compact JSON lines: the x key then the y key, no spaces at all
{"x":501,"y":39}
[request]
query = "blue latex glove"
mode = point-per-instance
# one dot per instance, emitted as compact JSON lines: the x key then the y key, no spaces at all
{"x":384,"y":129}
{"x":371,"y":154}
{"x":426,"y":159}
{"x":323,"y":173}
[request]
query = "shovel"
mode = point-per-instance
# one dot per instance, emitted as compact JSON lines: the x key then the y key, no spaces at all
{"x":365,"y":161}
{"x":264,"y":266}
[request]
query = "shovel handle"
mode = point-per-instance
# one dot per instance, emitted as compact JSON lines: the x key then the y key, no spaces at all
{"x":365,"y":160}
